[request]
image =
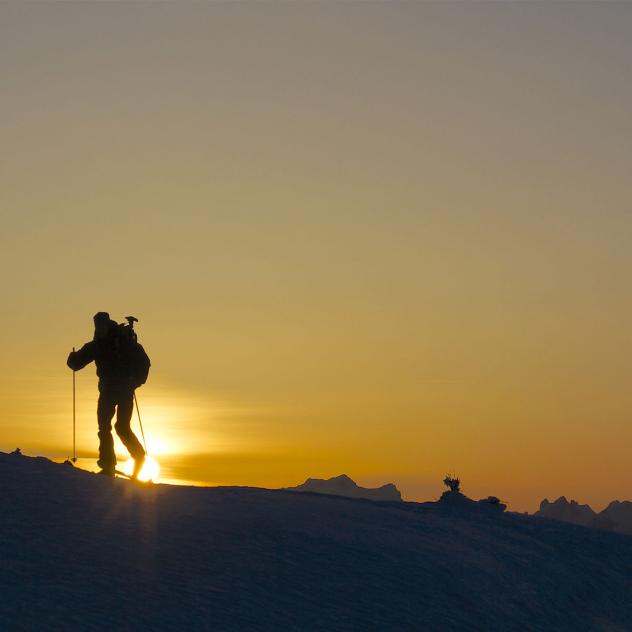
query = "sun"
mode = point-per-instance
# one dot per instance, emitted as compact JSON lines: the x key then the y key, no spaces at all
{"x":149,"y":471}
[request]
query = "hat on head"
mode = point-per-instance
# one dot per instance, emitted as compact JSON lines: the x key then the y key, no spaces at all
{"x":101,"y":316}
{"x":102,"y":325}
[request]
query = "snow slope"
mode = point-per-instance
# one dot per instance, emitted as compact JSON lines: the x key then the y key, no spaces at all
{"x":85,"y":552}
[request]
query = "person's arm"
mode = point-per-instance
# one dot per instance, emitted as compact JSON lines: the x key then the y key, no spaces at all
{"x":78,"y":359}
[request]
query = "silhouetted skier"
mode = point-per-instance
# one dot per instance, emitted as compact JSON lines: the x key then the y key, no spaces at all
{"x":122,"y":366}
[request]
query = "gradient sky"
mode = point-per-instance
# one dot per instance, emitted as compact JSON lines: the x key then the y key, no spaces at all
{"x":387,"y":239}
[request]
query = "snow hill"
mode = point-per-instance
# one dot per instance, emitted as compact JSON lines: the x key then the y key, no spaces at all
{"x":80,"y":551}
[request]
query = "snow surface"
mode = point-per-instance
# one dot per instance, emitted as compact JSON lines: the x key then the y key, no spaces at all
{"x":80,"y":551}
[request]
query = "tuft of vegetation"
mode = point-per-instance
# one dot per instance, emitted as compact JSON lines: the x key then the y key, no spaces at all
{"x":453,"y":483}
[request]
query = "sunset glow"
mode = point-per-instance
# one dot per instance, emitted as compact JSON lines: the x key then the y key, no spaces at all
{"x":387,"y":239}
{"x":149,"y":472}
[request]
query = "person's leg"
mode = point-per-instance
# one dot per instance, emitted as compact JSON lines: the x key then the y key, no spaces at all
{"x":122,"y":426}
{"x":105,"y":412}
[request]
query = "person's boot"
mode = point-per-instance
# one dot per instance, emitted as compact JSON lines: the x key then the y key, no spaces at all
{"x":107,"y":471}
{"x":138,"y":465}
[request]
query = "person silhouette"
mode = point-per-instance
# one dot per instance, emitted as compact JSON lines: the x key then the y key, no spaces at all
{"x":122,"y":366}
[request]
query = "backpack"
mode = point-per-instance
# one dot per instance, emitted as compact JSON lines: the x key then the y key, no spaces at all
{"x":133,"y":352}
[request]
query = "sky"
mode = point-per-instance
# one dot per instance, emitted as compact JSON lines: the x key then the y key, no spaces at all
{"x":390,"y":239}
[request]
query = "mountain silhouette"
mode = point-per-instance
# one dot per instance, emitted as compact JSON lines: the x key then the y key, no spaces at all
{"x":617,"y":516}
{"x":344,"y":486}
{"x":573,"y":512}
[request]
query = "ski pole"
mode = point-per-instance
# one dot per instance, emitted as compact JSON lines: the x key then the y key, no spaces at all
{"x":74,"y":417}
{"x":142,"y":432}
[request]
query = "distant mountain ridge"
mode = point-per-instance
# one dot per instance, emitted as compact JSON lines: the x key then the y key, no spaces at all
{"x":617,"y":516}
{"x":343,"y":485}
{"x":566,"y":511}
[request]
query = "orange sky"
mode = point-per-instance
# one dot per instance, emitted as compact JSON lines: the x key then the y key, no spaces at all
{"x":385,"y":239}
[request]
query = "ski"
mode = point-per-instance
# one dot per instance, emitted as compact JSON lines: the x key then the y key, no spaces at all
{"x":129,"y":477}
